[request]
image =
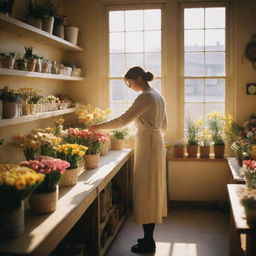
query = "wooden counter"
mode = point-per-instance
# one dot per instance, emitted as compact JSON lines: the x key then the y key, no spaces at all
{"x":44,"y":232}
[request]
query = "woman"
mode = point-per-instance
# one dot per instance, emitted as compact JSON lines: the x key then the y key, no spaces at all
{"x":149,"y":192}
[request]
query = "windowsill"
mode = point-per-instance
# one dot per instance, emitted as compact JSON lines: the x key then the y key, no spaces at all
{"x":186,"y":158}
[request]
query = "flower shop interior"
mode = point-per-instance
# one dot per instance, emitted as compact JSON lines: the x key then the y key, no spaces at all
{"x":67,"y":191}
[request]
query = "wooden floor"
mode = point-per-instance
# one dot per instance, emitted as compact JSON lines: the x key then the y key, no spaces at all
{"x":185,"y":232}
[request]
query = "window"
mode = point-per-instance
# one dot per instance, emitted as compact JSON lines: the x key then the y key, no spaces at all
{"x":204,"y":80}
{"x":134,"y":40}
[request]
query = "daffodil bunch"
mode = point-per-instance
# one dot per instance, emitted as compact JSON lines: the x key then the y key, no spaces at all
{"x":216,"y":122}
{"x":205,"y":138}
{"x":72,"y":153}
{"x":16,"y":183}
{"x":88,"y":115}
{"x":232,"y":130}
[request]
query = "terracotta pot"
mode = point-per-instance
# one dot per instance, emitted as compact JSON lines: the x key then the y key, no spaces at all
{"x":204,"y":151}
{"x":58,"y":30}
{"x":71,"y":34}
{"x":219,"y":151}
{"x":44,"y":203}
{"x":192,"y":150}
{"x":31,"y":65}
{"x":250,"y":216}
{"x":10,"y":109}
{"x":117,"y":144}
{"x":105,"y":149}
{"x":8,"y":62}
{"x":12,"y":222}
{"x":91,"y":161}
{"x":47,"y":24}
{"x":69,"y":178}
{"x":35,"y":22}
{"x":178,"y":150}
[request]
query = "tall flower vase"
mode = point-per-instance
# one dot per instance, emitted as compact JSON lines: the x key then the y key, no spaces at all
{"x":69,"y":177}
{"x":41,"y":203}
{"x":219,"y":151}
{"x":12,"y":222}
{"x":192,"y":150}
{"x":250,"y":183}
{"x":91,"y":161}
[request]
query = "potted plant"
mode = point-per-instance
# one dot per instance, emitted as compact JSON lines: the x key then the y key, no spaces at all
{"x":35,"y":14}
{"x":21,"y":64}
{"x":192,"y":130}
{"x":44,"y":199}
{"x":117,"y":138}
{"x":58,"y":28}
{"x":10,"y":98}
{"x":215,"y":123}
{"x":71,"y":34}
{"x":6,"y":7}
{"x":16,"y":184}
{"x":178,"y":149}
{"x":248,"y":200}
{"x":49,"y":10}
{"x":8,"y":60}
{"x":204,"y":148}
{"x":39,"y":65}
{"x":30,"y":57}
{"x":33,"y":101}
{"x":94,"y":141}
{"x":248,"y":171}
{"x":72,"y":153}
{"x":243,"y":150}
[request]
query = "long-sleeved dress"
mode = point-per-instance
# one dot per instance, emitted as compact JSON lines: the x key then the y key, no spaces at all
{"x":149,"y":183}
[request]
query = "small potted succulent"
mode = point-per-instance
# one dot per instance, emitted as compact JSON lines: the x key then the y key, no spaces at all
{"x":30,"y":57}
{"x":35,"y":14}
{"x":6,"y":7}
{"x":58,"y":28}
{"x":118,"y":138}
{"x":49,"y":11}
{"x":8,"y":60}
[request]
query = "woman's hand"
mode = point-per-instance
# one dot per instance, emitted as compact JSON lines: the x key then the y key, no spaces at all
{"x":93,"y":128}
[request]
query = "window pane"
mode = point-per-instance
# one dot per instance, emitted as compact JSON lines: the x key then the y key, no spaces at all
{"x":153,"y":63}
{"x":131,"y":95}
{"x":215,"y":90}
{"x":152,"y":19}
{"x":194,"y":64}
{"x":117,"y":109}
{"x":214,"y":107}
{"x":215,"y":17}
{"x":194,"y":18}
{"x":116,"y":21}
{"x":194,"y":90}
{"x":117,"y":67}
{"x":116,"y":42}
{"x":133,"y":20}
{"x":215,"y":40}
{"x":194,"y":111}
{"x":134,"y":41}
{"x":117,"y":90}
{"x":215,"y":64}
{"x":194,"y":40}
{"x":152,"y":41}
{"x":134,"y":60}
{"x":156,"y":84}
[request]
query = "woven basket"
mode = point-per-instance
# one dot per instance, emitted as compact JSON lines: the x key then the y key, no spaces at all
{"x":105,"y":149}
{"x":69,"y":178}
{"x":44,"y":203}
{"x":117,"y":144}
{"x":91,"y":161}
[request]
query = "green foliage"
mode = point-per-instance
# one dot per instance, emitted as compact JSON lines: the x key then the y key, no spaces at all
{"x":120,"y":134}
{"x":35,"y":9}
{"x":35,"y":99}
{"x":192,"y":130}
{"x":59,"y":19}
{"x":249,"y":203}
{"x":49,"y":8}
{"x":29,"y":53}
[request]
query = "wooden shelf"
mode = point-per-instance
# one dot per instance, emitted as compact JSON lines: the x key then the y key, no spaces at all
{"x":25,"y":30}
{"x":111,"y":238}
{"x":29,"y":118}
{"x":14,"y":72}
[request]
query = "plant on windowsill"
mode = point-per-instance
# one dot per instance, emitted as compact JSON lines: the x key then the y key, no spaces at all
{"x":205,"y":141}
{"x":178,"y":149}
{"x":216,"y":122}
{"x":192,"y":135}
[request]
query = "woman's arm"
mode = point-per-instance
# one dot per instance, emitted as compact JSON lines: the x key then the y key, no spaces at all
{"x":164,"y":123}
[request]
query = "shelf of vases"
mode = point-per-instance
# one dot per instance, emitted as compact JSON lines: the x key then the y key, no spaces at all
{"x":25,"y":30}
{"x":14,"y":72}
{"x":29,"y":118}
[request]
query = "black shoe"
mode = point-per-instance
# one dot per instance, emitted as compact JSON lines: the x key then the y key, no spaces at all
{"x":142,"y":240}
{"x":143,"y":247}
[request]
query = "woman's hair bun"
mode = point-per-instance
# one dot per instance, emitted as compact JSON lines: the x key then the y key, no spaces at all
{"x":148,"y":76}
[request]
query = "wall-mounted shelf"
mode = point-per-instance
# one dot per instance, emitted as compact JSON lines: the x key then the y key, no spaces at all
{"x":14,"y":72}
{"x":29,"y":118}
{"x":27,"y":31}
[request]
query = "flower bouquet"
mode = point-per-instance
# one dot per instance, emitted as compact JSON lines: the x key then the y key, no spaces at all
{"x":248,"y":200}
{"x":87,"y":115}
{"x":72,"y":153}
{"x":94,"y":141}
{"x":216,"y":122}
{"x":117,"y":139}
{"x":243,"y":150}
{"x":16,"y":184}
{"x":248,"y":171}
{"x":44,"y":199}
